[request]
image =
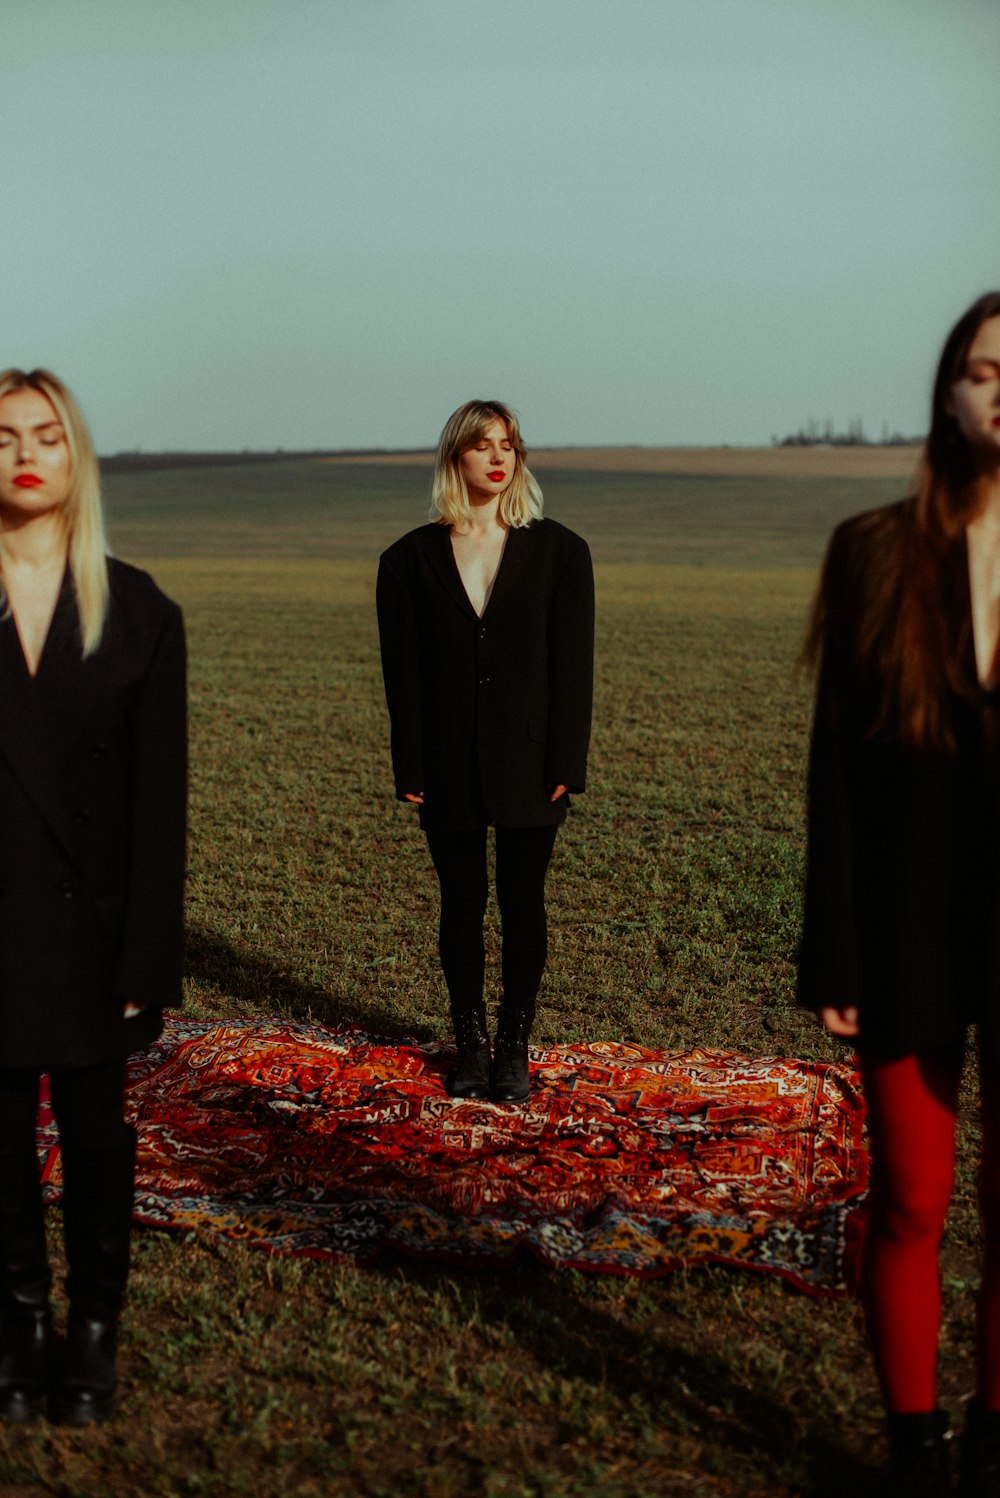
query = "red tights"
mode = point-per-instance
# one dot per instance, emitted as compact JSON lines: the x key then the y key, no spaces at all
{"x":912,"y":1106}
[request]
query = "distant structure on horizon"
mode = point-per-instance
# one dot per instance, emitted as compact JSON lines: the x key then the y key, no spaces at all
{"x":812,"y":435}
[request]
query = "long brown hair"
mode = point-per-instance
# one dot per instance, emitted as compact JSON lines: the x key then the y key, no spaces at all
{"x":900,"y":637}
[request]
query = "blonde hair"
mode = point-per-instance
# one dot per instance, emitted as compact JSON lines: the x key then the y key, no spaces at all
{"x":521,"y":501}
{"x":82,"y":514}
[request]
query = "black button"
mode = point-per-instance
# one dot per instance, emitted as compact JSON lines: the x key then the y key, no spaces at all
{"x":484,"y":681}
{"x":99,"y":751}
{"x":81,"y":818}
{"x":67,"y":891}
{"x":482,"y":633}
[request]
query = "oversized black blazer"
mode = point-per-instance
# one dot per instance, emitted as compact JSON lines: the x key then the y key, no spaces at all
{"x":488,"y":714}
{"x":902,"y":917}
{"x":92,"y":829}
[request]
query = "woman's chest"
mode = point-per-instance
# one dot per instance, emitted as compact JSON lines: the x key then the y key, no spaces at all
{"x":477,"y":561}
{"x":984,"y":601}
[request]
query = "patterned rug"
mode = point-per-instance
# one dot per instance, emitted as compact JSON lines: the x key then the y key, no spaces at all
{"x":338,"y":1144}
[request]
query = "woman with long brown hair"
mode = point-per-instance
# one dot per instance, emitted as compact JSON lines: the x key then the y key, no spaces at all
{"x":901,"y":944}
{"x":92,"y":823}
{"x":486,"y":619}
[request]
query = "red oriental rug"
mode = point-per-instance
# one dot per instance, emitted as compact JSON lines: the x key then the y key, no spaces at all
{"x":337,"y":1144}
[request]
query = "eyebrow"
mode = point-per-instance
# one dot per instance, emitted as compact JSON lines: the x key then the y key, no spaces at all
{"x":40,"y":426}
{"x":982,"y":359}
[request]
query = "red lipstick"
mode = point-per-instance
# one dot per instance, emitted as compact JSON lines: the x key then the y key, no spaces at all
{"x":496,"y":475}
{"x":28,"y":481}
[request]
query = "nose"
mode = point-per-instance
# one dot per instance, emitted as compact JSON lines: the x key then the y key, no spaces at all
{"x":26,"y":447}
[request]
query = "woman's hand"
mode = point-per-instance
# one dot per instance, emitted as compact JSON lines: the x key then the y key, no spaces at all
{"x":417,"y":799}
{"x":560,"y":790}
{"x":842,"y":1022}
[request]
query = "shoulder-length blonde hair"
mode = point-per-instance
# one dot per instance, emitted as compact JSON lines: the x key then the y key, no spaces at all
{"x":521,"y":501}
{"x":82,"y":514}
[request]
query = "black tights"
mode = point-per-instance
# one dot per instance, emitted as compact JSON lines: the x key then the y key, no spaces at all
{"x":522,"y":861}
{"x":88,"y":1102}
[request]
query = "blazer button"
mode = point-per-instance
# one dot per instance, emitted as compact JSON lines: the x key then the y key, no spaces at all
{"x":98,"y":751}
{"x":482,"y":633}
{"x":81,"y":818}
{"x":484,"y":681}
{"x":66,"y":890}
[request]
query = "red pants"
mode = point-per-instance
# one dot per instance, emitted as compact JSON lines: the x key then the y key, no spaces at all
{"x":912,"y":1105}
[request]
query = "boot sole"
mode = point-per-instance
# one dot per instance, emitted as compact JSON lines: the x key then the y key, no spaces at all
{"x":91,"y":1411}
{"x":20,"y":1409}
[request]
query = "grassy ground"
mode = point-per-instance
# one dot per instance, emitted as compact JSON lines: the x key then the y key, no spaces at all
{"x":675,"y":904}
{"x":344,"y":511}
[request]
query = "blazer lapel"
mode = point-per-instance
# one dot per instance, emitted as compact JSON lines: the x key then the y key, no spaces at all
{"x":958,"y":605}
{"x":442,"y":561}
{"x":25,"y":735}
{"x":67,"y":684}
{"x":512,"y":560}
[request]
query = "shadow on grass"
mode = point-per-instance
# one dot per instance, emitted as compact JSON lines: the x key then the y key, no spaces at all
{"x":744,"y":1431}
{"x":257,"y":983}
{"x":685,"y":1392}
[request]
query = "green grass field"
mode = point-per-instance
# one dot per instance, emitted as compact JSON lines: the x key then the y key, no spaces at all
{"x":674,"y":900}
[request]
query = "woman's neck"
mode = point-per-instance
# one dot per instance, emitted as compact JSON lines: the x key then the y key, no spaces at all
{"x":34,"y":544}
{"x":484,"y":516}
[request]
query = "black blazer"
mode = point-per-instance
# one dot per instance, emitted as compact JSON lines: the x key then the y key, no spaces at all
{"x":902,"y":917}
{"x":488,"y":715}
{"x":92,"y":829}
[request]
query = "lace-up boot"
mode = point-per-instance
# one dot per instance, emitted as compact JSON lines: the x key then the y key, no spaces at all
{"x":470,"y":1076}
{"x":509,"y":1079}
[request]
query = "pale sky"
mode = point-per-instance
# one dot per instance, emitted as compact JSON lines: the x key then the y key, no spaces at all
{"x":326,"y":223}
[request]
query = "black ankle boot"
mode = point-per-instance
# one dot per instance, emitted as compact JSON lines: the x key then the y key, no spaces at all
{"x":979,"y":1460}
{"x":86,"y":1389}
{"x":97,"y":1207}
{"x":509,"y":1079}
{"x":25,"y":1319}
{"x":24,"y":1363}
{"x":470,"y":1076}
{"x":919,"y":1465}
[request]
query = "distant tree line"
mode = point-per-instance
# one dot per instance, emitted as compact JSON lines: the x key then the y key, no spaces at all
{"x":815,"y":435}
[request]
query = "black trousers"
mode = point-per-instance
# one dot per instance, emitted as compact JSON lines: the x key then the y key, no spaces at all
{"x":88,"y":1102}
{"x":522,"y":862}
{"x":98,"y":1159}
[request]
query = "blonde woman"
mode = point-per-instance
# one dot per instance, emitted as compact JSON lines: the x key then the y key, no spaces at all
{"x":92,"y":812}
{"x":486,"y":618}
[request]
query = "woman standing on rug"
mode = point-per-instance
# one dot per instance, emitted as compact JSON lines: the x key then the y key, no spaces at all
{"x":901,"y":947}
{"x":92,"y":809}
{"x":486,"y":618}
